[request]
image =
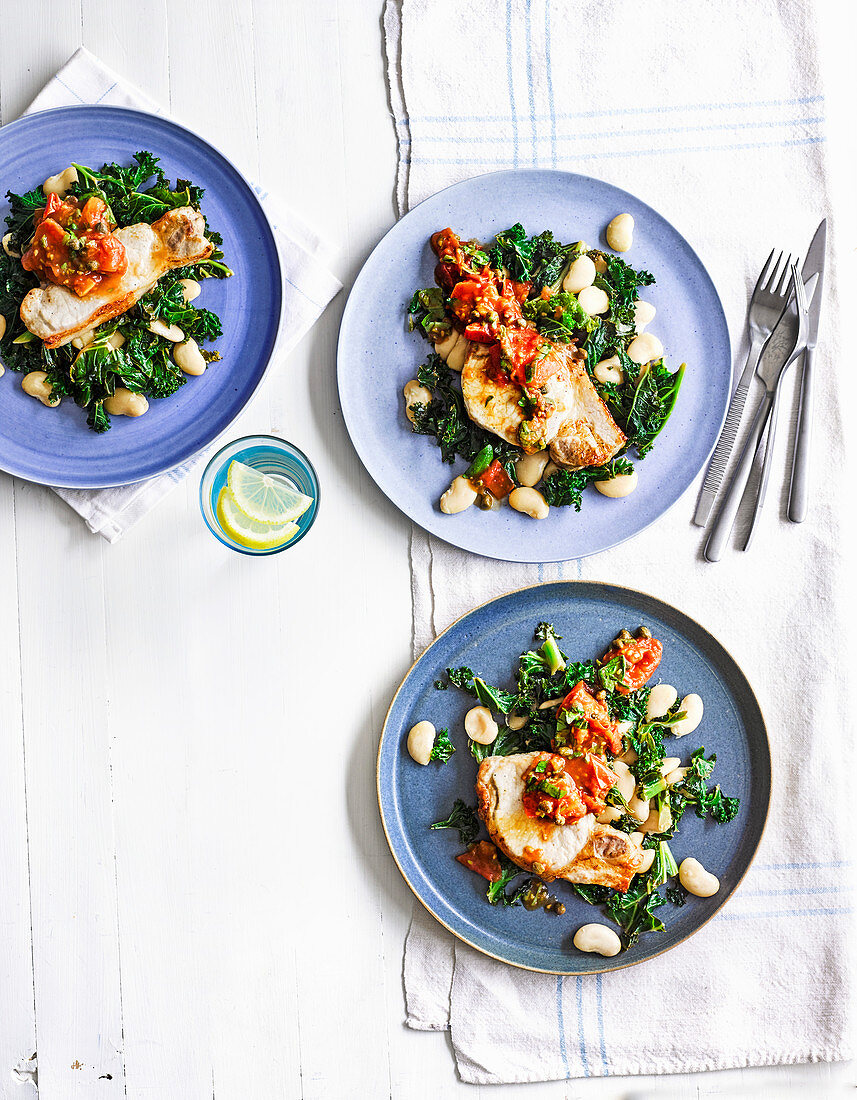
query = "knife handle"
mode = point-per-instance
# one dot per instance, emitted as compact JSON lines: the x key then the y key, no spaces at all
{"x":729,"y":508}
{"x":799,"y":488}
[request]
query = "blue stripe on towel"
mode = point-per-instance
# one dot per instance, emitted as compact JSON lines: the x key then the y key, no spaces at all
{"x":534,"y":137}
{"x":601,"y":1039}
{"x":800,"y":866}
{"x":561,"y":1025}
{"x":614,"y":112}
{"x":587,"y":1072}
{"x":797,"y":891}
{"x":784,"y":913}
{"x":510,"y":78}
{"x":549,"y":74}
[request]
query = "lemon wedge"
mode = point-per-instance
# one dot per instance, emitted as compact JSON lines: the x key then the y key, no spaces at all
{"x":250,"y":532}
{"x":263,"y":498}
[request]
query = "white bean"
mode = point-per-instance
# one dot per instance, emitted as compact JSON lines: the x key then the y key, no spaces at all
{"x":421,"y":742}
{"x":630,"y":756}
{"x":581,"y":274}
{"x":530,"y":468}
{"x":610,"y":370}
{"x":648,"y":860}
{"x":696,"y":880}
{"x":36,"y":384}
{"x":661,"y":698}
{"x":455,"y":359}
{"x":608,"y":815}
{"x":644,"y":348}
{"x":516,"y":721}
{"x":126,"y":403}
{"x":622,"y":485}
{"x":84,"y":340}
{"x":529,"y":501}
{"x":480,"y":726}
{"x":188,"y":357}
{"x":8,"y":249}
{"x":444,"y":347}
{"x":60,"y":183}
{"x":169,"y":332}
{"x":627,"y":783}
{"x":415,"y":394}
{"x":594,"y":300}
{"x":676,"y":776}
{"x":639,"y":808}
{"x":644,"y":314}
{"x":458,"y":496}
{"x":597,"y":939}
{"x":620,"y":233}
{"x":2,"y":326}
{"x":669,"y":764}
{"x":692,"y":707}
{"x":190,"y":289}
{"x":652,"y":823}
{"x":551,"y":468}
{"x":2,"y":370}
{"x":116,"y":339}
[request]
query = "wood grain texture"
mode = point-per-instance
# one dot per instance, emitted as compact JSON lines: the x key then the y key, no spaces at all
{"x":181,"y":916}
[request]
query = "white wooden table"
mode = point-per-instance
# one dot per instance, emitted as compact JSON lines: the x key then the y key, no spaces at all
{"x":175,"y":920}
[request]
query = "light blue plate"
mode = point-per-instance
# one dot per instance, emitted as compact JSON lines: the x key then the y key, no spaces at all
{"x":488,"y":640}
{"x":54,"y":446}
{"x":377,"y":356}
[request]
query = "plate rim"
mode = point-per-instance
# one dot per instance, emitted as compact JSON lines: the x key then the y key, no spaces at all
{"x":110,"y":482}
{"x":616,"y":589}
{"x":350,"y":307}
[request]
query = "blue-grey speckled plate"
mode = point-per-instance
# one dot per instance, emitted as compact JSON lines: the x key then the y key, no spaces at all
{"x":54,"y":446}
{"x":488,"y":640}
{"x":377,"y":356}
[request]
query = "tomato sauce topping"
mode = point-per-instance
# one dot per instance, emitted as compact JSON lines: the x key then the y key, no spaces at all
{"x":592,"y":728}
{"x":593,"y":779}
{"x":482,"y":858}
{"x":74,"y":244}
{"x":641,"y":655}
{"x":488,"y":306}
{"x":550,"y":793}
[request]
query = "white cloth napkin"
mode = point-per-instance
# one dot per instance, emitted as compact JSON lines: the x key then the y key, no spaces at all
{"x":714,"y":114}
{"x":307,"y":288}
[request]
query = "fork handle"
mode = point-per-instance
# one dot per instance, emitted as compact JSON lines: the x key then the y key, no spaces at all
{"x":729,"y":508}
{"x":766,"y":469}
{"x":720,"y":458}
{"x":799,"y":488}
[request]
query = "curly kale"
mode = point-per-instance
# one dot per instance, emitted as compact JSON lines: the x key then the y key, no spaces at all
{"x":463,"y":818}
{"x":564,"y":487}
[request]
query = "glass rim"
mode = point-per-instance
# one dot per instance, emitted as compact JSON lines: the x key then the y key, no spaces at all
{"x":214,"y":528}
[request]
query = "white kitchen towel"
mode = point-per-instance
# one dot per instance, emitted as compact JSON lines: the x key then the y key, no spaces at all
{"x":714,"y":114}
{"x":308,"y":286}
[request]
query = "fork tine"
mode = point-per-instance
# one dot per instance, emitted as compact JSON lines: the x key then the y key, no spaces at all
{"x":783,"y":286}
{"x":764,"y":273}
{"x":772,"y":277}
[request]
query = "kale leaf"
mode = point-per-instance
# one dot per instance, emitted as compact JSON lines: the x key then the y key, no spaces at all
{"x":463,"y":818}
{"x":443,"y":748}
{"x":496,"y":892}
{"x":565,"y":487}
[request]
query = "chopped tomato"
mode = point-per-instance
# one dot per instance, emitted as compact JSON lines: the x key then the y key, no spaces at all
{"x":600,"y":729}
{"x":642,"y":656}
{"x":496,"y":480}
{"x":550,"y":792}
{"x":482,"y":858}
{"x":593,"y":778}
{"x":73,"y":244}
{"x":482,"y":334}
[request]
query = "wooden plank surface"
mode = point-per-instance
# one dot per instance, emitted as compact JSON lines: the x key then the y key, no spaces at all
{"x":179,"y":919}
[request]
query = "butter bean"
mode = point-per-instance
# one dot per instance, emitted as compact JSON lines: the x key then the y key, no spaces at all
{"x":580,"y":274}
{"x":645,"y":348}
{"x":620,"y":233}
{"x":479,"y":725}
{"x":60,"y":183}
{"x":126,"y":403}
{"x":2,"y":326}
{"x":692,"y":706}
{"x":421,"y":742}
{"x":169,"y":332}
{"x":609,"y":370}
{"x":415,"y":394}
{"x":455,"y":359}
{"x":594,"y":300}
{"x":458,"y":496}
{"x":190,"y":289}
{"x":661,"y":698}
{"x":622,"y":485}
{"x":644,"y":314}
{"x":530,"y":468}
{"x":696,"y":880}
{"x":188,"y":357}
{"x":597,"y":939}
{"x":36,"y":384}
{"x":530,"y":502}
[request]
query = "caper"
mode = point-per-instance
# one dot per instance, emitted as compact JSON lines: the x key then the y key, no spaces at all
{"x":539,"y":868}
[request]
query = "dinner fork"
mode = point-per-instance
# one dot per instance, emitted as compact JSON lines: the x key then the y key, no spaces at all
{"x":767,"y":304}
{"x":772,"y":377}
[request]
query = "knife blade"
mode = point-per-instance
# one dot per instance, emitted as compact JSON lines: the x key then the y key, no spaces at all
{"x":799,"y":485}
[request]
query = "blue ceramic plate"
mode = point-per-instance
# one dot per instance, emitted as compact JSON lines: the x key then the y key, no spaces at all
{"x":488,"y":640}
{"x":377,"y":355}
{"x":54,"y":446}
